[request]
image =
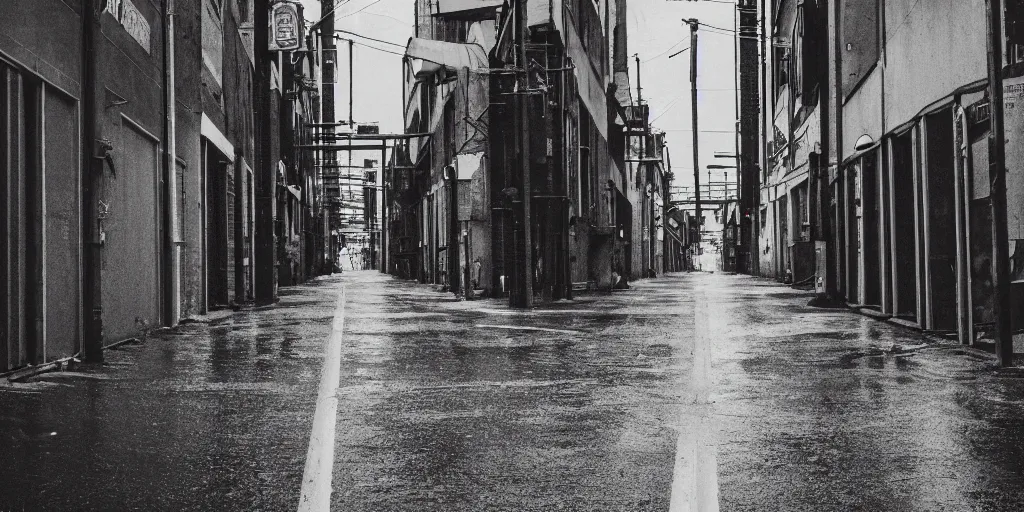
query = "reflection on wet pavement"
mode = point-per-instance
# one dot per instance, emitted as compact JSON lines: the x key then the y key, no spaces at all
{"x":466,"y":406}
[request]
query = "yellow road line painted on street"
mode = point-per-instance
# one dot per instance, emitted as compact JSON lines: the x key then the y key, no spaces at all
{"x":317,"y":476}
{"x":695,"y":475}
{"x":525,"y":328}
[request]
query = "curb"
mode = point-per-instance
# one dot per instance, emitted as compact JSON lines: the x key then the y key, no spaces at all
{"x":932,"y":336}
{"x":904,"y":324}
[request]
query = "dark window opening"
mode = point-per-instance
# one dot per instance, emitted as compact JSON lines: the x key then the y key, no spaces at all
{"x":858,"y":32}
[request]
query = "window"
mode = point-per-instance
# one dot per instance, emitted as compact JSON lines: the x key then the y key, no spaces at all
{"x":801,"y":212}
{"x":796,"y":63}
{"x":1014,"y":24}
{"x":217,"y":7}
{"x":213,"y":39}
{"x":589,"y":27}
{"x":245,"y":10}
{"x":809,"y":43}
{"x":780,"y":61}
{"x":858,"y":35}
{"x":585,"y":142}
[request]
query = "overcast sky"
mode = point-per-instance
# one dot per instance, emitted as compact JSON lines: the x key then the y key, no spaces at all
{"x":655,"y":31}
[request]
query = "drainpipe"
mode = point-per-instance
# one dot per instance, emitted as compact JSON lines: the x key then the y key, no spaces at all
{"x":172,"y":167}
{"x":92,"y":341}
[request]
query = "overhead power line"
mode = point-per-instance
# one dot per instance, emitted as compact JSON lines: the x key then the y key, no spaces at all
{"x":365,"y":7}
{"x":680,"y":51}
{"x":716,"y":28}
{"x":700,"y":131}
{"x":360,"y":43}
{"x":670,"y":48}
{"x":368,"y":37}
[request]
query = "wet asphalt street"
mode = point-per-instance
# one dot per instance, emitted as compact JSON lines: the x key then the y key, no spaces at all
{"x":621,"y":401}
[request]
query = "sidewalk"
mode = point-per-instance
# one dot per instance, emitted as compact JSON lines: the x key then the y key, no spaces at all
{"x":196,"y":418}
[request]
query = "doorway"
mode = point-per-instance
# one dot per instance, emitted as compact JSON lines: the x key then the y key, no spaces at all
{"x":783,"y":206}
{"x":904,"y":247}
{"x":217,"y":227}
{"x":624,"y":234}
{"x":870,"y":227}
{"x":132,"y":252}
{"x":853,"y":235}
{"x":941,"y":217}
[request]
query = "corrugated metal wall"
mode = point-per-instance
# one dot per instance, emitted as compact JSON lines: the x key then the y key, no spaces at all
{"x":12,"y":221}
{"x":40,"y":230}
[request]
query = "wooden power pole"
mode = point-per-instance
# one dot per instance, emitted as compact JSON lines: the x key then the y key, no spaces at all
{"x":266,"y":172}
{"x":523,"y":291}
{"x":997,"y":182}
{"x":696,"y":160}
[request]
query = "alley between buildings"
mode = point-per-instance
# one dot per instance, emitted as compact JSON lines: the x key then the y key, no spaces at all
{"x":588,"y":404}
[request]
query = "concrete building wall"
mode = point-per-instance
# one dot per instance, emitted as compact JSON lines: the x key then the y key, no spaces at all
{"x":130,"y":70}
{"x":188,"y":63}
{"x":925,"y":55}
{"x":930,"y":50}
{"x":46,"y":37}
{"x":862,"y":113}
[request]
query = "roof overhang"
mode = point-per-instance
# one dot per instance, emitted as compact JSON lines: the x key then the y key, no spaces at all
{"x":429,"y":56}
{"x":469,"y":10}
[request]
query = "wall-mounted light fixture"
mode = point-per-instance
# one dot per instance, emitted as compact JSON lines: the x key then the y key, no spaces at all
{"x":863,"y":142}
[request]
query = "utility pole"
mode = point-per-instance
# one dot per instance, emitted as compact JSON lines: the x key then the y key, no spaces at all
{"x":640,"y":109}
{"x":266,"y":173}
{"x":351,"y":122}
{"x":737,"y":142}
{"x":524,"y":289}
{"x":382,"y":237}
{"x":822,"y":229}
{"x":328,"y":115}
{"x":640,"y":164}
{"x":747,"y":129}
{"x":693,"y":109}
{"x":997,"y":182}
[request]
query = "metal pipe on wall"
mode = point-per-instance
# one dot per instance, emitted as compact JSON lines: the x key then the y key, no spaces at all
{"x":755,"y":248}
{"x":92,"y":341}
{"x":172,"y":170}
